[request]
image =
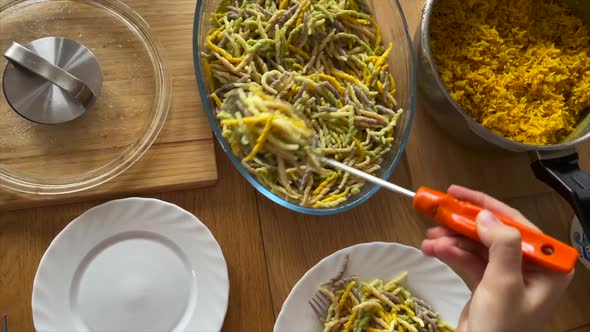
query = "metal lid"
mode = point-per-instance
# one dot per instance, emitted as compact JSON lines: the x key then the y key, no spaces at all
{"x":85,"y":93}
{"x":51,"y":80}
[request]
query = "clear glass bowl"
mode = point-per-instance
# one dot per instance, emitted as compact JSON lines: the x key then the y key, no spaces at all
{"x":112,"y":135}
{"x":390,"y":18}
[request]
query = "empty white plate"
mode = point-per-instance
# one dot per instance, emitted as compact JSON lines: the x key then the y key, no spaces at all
{"x":428,"y":279}
{"x":132,"y":265}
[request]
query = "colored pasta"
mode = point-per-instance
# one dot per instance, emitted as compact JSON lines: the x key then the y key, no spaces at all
{"x":376,"y":306}
{"x":293,"y":78}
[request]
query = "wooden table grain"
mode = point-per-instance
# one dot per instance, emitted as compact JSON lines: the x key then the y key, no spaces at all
{"x":268,"y":248}
{"x":229,"y":210}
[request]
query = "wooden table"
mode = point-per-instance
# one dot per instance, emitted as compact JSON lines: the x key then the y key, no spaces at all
{"x":268,"y":248}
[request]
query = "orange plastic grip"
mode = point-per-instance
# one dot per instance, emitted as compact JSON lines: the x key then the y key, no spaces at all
{"x":460,"y":216}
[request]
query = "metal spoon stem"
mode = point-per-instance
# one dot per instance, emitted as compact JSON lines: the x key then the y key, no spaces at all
{"x":367,"y":177}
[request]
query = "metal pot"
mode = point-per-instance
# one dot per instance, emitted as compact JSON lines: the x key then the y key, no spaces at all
{"x":556,"y":165}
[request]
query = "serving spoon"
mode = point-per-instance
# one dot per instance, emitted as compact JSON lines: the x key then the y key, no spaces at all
{"x":460,"y":216}
{"x":457,"y":215}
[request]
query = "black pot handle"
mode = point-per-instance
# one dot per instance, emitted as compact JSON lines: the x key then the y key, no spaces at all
{"x":565,"y":176}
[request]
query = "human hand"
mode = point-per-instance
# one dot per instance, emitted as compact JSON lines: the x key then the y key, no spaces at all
{"x":511,"y":295}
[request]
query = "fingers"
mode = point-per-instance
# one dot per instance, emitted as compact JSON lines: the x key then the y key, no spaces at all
{"x":504,"y":270}
{"x":489,"y":203}
{"x":464,"y":318}
{"x":440,"y":231}
{"x":455,"y":251}
{"x":463,"y":243}
{"x":544,"y":285}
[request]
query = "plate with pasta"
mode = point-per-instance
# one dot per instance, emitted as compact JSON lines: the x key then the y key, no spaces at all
{"x":375,"y":287}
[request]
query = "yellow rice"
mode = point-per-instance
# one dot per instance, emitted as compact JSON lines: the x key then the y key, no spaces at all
{"x":519,"y":67}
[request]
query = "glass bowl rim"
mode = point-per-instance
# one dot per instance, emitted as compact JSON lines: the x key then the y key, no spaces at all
{"x":160,"y":107}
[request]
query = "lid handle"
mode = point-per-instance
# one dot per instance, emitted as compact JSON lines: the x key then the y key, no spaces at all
{"x":22,"y":57}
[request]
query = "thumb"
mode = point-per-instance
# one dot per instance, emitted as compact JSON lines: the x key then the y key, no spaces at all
{"x":505,"y":252}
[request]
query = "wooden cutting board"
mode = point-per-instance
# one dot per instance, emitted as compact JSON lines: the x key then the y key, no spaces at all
{"x":183,"y":156}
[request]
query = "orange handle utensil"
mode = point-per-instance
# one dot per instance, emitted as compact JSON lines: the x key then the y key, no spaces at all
{"x":460,"y":216}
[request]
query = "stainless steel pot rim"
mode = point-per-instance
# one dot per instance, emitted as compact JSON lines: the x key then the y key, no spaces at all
{"x":475,"y":126}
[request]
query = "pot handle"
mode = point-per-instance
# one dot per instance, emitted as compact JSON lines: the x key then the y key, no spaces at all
{"x":565,"y":176}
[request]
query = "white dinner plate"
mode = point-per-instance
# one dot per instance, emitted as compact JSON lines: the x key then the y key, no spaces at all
{"x":132,"y":265}
{"x":428,"y":279}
